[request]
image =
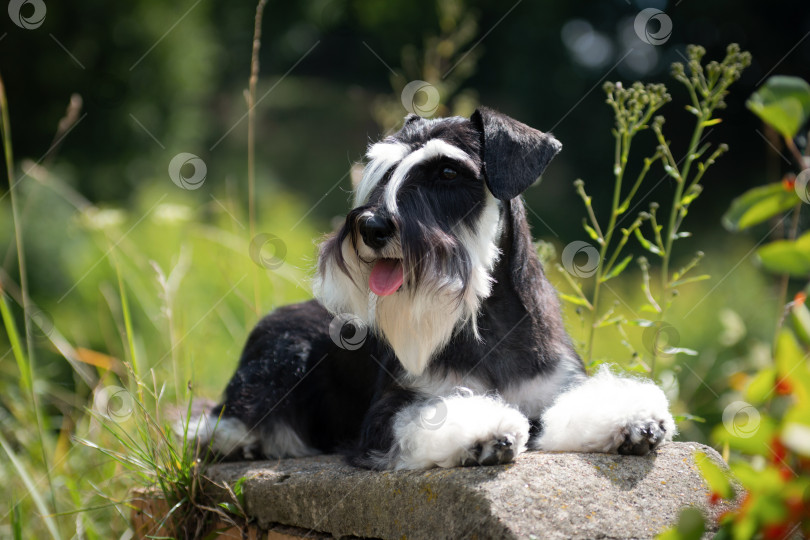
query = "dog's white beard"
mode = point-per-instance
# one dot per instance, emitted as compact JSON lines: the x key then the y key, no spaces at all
{"x":417,"y":324}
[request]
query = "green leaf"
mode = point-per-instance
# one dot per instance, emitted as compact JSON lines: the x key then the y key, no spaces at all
{"x":238,"y":488}
{"x":693,"y":194}
{"x":716,"y":478}
{"x":618,"y":269}
{"x":782,"y":102}
{"x":16,"y":520}
{"x":576,"y":300}
{"x":712,"y":122}
{"x":787,"y":256}
{"x":788,"y":356}
{"x":680,"y":350}
{"x":230,"y":507}
{"x":800,"y":317}
{"x":591,"y":232}
{"x":646,"y":244}
{"x":761,"y":386}
{"x":680,"y":282}
{"x":691,"y":526}
{"x":610,"y":321}
{"x":752,"y":435}
{"x":644,"y":323}
{"x":686,"y":416}
{"x":759,"y":204}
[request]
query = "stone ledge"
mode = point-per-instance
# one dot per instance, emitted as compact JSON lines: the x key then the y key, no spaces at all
{"x":541,"y":495}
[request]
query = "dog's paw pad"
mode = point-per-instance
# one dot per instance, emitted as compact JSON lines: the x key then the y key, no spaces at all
{"x":495,"y":451}
{"x":641,"y":438}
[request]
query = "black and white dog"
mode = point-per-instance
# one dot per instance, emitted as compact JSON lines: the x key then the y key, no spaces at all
{"x":436,"y":339}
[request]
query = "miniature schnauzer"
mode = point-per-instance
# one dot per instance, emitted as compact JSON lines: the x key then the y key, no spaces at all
{"x":436,"y":339}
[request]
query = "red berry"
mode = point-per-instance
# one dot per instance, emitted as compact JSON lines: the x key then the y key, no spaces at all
{"x":789,"y":182}
{"x":776,"y":531}
{"x":795,"y":506}
{"x":783,"y":387}
{"x":778,"y":450}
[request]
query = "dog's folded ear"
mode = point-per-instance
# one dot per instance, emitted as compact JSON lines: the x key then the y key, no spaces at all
{"x":514,"y":154}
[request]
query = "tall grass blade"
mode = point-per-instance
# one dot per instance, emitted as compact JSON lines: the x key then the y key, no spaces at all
{"x":32,"y":489}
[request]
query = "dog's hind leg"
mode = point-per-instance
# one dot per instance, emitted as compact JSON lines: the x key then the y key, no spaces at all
{"x":462,"y":429}
{"x":609,"y":414}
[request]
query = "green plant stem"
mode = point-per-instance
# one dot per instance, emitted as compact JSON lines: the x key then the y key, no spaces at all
{"x":26,"y":299}
{"x":621,"y":153}
{"x":671,"y":230}
{"x":251,"y":163}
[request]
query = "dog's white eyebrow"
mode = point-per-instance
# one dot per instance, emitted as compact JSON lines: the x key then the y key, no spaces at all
{"x":432,"y":149}
{"x":382,"y":156}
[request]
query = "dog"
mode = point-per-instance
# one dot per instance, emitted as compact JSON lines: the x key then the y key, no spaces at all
{"x":436,"y":339}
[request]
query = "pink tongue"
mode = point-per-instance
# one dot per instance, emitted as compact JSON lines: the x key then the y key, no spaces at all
{"x":386,"y":277}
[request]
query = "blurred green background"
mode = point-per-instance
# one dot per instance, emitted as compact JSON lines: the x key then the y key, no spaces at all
{"x":99,"y":212}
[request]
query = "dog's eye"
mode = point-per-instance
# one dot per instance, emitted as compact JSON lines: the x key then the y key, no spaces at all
{"x":448,"y":173}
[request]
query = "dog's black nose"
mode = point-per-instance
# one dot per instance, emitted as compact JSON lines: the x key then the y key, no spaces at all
{"x":376,"y":231}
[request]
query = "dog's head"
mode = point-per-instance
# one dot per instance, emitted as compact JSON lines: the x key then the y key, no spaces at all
{"x":414,"y":258}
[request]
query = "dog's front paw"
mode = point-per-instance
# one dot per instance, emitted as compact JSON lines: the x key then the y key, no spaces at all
{"x":463,"y":429}
{"x":610,"y":414}
{"x":642,"y":437}
{"x":495,"y":451}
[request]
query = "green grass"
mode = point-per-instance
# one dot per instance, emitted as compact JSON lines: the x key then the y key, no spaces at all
{"x":155,"y":300}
